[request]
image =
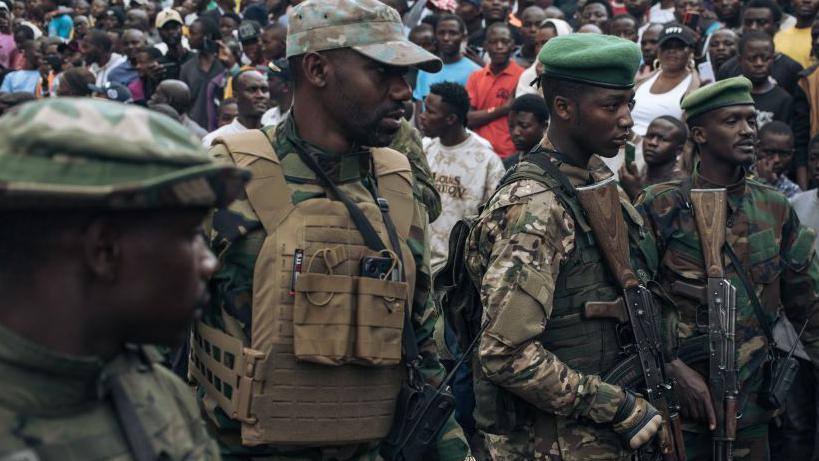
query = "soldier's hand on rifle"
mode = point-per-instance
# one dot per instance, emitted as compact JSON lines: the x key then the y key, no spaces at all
{"x":693,"y":394}
{"x":636,"y":421}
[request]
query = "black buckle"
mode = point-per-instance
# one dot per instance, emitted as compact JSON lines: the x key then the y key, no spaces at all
{"x":383,"y":204}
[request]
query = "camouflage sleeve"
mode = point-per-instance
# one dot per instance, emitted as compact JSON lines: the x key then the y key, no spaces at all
{"x":523,"y":244}
{"x":451,"y":444}
{"x":800,"y":282}
{"x":408,"y":142}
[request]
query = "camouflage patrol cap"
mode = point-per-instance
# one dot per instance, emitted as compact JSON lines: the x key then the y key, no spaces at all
{"x":367,"y":26}
{"x":92,"y":153}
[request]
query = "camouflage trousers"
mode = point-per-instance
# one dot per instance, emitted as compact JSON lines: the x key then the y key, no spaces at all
{"x":531,"y":444}
{"x":751,"y":444}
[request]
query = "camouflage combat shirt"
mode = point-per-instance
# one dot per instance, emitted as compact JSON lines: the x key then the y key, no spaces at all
{"x":524,"y":228}
{"x":59,"y":407}
{"x":237,"y":237}
{"x":776,"y":251}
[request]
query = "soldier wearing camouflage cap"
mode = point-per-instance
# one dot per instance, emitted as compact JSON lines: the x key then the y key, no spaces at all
{"x":101,"y":250}
{"x":774,"y":250}
{"x":311,"y":322}
{"x":539,"y":390}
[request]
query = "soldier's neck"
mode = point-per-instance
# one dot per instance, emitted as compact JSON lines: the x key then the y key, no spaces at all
{"x":719,"y":172}
{"x":315,"y":127}
{"x":571,"y":152}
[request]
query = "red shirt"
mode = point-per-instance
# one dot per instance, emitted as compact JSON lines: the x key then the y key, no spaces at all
{"x":487,"y":90}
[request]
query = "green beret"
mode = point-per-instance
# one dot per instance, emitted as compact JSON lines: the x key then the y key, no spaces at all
{"x":90,"y":153}
{"x":595,"y":59}
{"x":729,"y":92}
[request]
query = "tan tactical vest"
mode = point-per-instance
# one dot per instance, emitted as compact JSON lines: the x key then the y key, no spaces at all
{"x":323,"y":363}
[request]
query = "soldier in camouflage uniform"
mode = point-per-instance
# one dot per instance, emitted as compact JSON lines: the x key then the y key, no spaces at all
{"x":101,"y":247}
{"x":538,"y":381}
{"x":765,"y":234}
{"x":348,"y":58}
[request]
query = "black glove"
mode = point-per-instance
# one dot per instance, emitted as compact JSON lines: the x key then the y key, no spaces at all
{"x":636,"y":421}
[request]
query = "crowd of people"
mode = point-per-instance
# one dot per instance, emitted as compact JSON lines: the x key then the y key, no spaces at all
{"x":218,"y":67}
{"x":221,"y":67}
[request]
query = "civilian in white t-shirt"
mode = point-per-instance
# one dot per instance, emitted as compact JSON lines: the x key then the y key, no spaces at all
{"x":806,"y":204}
{"x":252,"y":99}
{"x":466,"y":171}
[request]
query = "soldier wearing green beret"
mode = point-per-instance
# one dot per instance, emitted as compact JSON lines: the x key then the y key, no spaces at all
{"x":324,"y":281}
{"x":539,"y":391}
{"x":773,"y":253}
{"x":101,"y":250}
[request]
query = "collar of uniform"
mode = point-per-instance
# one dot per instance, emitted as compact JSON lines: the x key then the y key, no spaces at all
{"x":350,"y":167}
{"x":734,"y":191}
{"x":595,"y":171}
{"x":36,"y":380}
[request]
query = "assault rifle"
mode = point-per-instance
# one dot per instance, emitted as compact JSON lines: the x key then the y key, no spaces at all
{"x":710,"y":211}
{"x":604,"y":214}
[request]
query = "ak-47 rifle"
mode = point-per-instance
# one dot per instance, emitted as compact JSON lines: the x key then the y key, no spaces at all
{"x":604,"y":214}
{"x":710,"y":211}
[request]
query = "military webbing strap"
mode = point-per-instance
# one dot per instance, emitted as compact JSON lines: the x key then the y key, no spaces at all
{"x":371,"y":237}
{"x":141,"y":446}
{"x":246,"y":149}
{"x":565,"y":191}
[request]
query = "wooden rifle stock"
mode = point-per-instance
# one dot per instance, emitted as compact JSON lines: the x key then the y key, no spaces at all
{"x":601,"y":201}
{"x":710,"y":214}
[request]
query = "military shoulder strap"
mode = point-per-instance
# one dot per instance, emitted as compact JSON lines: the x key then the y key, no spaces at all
{"x":142,"y":447}
{"x":550,"y":176}
{"x":253,"y":150}
{"x":393,"y":173}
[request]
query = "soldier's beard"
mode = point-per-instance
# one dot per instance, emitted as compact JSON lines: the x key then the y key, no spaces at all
{"x":368,"y":127}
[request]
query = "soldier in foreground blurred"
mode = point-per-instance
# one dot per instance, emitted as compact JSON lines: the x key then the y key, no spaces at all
{"x":101,"y":249}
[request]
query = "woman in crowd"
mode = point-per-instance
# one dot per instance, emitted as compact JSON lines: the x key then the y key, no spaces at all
{"x":661,"y":93}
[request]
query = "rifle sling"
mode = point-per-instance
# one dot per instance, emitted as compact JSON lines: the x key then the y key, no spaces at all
{"x":136,"y":435}
{"x":749,"y":288}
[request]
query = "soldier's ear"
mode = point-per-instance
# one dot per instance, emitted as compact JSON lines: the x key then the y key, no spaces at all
{"x":563,"y":108}
{"x":698,"y":135}
{"x":101,"y":248}
{"x":314,"y":66}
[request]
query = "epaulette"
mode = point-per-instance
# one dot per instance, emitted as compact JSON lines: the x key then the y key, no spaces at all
{"x":657,"y":190}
